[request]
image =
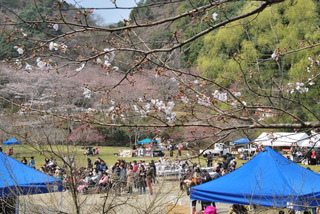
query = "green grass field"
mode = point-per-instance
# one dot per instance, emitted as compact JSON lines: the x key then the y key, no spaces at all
{"x":106,"y":153}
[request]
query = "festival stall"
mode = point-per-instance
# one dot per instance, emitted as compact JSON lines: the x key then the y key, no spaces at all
{"x":241,"y":141}
{"x":12,"y":141}
{"x":17,"y":179}
{"x":282,"y":139}
{"x":313,"y":142}
{"x":146,"y":141}
{"x":269,"y":179}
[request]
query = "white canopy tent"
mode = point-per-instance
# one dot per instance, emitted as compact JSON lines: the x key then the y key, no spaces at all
{"x":314,"y":140}
{"x":283,"y":139}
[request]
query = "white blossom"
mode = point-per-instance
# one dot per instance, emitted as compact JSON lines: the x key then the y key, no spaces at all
{"x":274,"y":54}
{"x":171,"y":118}
{"x":107,"y":63}
{"x":81,"y":67}
{"x":216,"y":94}
{"x":196,"y":82}
{"x":136,"y":109}
{"x":234,"y":104}
{"x":140,"y":100}
{"x":99,"y":61}
{"x":111,"y":109}
{"x":184,"y":99}
{"x":237,"y":94}
{"x":20,"y":50}
{"x":147,"y":106}
{"x":18,"y":63}
{"x":115,"y":68}
{"x":110,"y":54}
{"x":299,"y":83}
{"x":204,"y":100}
{"x":63,"y":47}
{"x":169,"y":107}
{"x":28,"y":67}
{"x":87,"y":93}
{"x":173,"y":79}
{"x":160,"y":105}
{"x":55,"y":27}
{"x":53,"y":45}
{"x":112,"y":102}
{"x":122,"y":116}
{"x":43,"y":65}
{"x":223,"y":97}
{"x":113,"y":117}
{"x":214,"y":16}
{"x":143,"y":113}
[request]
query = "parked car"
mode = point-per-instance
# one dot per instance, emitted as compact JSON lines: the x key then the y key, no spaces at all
{"x":219,"y":149}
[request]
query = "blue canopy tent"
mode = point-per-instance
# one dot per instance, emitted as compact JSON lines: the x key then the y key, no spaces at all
{"x":12,"y":141}
{"x":244,"y":140}
{"x":19,"y":179}
{"x":147,"y":140}
{"x":269,"y":179}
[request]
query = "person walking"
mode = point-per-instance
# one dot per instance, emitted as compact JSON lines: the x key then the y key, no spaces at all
{"x":142,"y":180}
{"x":150,"y":177}
{"x":130,"y":179}
{"x":209,"y":159}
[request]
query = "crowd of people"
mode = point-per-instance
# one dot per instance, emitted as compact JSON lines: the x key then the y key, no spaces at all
{"x":137,"y":177}
{"x":121,"y":177}
{"x":195,"y":175}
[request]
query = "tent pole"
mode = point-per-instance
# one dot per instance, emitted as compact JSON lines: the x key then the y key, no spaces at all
{"x":17,"y":205}
{"x":190,"y":206}
{"x":61,"y":200}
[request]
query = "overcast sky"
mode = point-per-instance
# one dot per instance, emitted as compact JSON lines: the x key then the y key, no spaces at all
{"x":108,"y":16}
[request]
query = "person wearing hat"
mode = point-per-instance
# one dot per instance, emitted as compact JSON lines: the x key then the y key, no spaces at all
{"x":210,"y":210}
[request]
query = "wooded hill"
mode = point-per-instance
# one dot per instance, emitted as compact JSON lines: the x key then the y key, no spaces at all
{"x":224,"y":55}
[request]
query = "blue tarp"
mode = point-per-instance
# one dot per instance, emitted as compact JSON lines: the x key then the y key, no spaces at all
{"x":269,"y":179}
{"x":19,"y":179}
{"x":147,"y":140}
{"x":244,"y":140}
{"x":12,"y":141}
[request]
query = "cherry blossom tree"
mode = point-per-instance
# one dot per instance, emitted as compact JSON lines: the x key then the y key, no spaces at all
{"x":223,"y":99}
{"x":208,"y":70}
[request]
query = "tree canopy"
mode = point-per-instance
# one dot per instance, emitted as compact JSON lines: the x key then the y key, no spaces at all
{"x":225,"y":65}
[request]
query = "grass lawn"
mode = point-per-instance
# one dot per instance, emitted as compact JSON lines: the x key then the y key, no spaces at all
{"x":106,"y":153}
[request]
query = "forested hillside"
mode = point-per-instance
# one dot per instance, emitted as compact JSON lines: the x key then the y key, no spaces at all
{"x":238,"y":50}
{"x":253,"y":62}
